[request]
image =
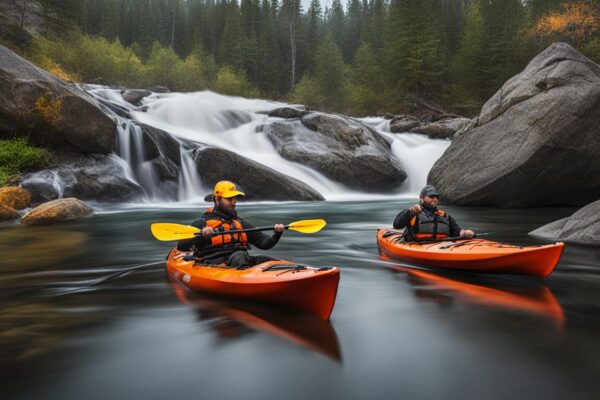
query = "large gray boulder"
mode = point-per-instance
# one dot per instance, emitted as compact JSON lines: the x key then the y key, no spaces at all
{"x":583,"y":227}
{"x":258,"y":181}
{"x":535,"y":142}
{"x":49,"y":111}
{"x":342,"y":149}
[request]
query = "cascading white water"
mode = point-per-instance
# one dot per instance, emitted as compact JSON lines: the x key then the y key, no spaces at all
{"x":416,"y":152}
{"x":130,"y":154}
{"x":231,"y":123}
{"x":190,"y":186}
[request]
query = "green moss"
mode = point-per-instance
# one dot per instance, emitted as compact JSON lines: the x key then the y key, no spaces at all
{"x":17,"y":156}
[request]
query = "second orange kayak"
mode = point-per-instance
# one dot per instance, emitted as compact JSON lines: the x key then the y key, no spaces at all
{"x":304,"y":288}
{"x":474,"y":255}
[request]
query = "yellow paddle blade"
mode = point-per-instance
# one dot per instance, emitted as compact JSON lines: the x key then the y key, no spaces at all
{"x":308,"y":225}
{"x":167,"y":232}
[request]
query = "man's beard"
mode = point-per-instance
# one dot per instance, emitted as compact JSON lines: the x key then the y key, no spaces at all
{"x":429,"y":207}
{"x":228,"y":209}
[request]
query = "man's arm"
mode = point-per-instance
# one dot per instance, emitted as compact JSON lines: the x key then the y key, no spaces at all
{"x":261,"y":239}
{"x":403,"y":218}
{"x":455,"y":229}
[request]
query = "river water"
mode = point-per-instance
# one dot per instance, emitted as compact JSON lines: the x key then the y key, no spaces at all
{"x":87,"y":312}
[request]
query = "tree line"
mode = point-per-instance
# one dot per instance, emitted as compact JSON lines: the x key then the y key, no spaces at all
{"x":362,"y":57}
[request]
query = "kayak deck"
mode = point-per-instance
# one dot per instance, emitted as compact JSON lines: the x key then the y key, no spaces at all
{"x":280,"y":282}
{"x":473,"y":254}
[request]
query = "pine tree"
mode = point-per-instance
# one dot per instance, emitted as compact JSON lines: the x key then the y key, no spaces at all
{"x":413,"y":58}
{"x":353,"y":29}
{"x":470,"y":70}
{"x":330,"y":74}
{"x":336,"y":22}
{"x":314,"y":26}
{"x":230,"y":52}
{"x":367,"y":87}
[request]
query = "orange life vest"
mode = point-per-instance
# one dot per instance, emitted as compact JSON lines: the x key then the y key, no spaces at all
{"x":222,"y":225}
{"x":426,"y":225}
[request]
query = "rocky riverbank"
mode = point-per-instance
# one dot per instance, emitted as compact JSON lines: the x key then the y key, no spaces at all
{"x":102,"y":153}
{"x":14,"y":201}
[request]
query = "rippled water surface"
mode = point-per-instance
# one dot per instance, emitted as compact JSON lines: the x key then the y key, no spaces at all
{"x":87,"y":312}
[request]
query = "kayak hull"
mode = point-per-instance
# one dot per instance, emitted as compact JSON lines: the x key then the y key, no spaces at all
{"x":304,"y":288}
{"x":474,"y":255}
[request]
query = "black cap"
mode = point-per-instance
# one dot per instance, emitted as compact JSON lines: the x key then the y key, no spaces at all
{"x":429,"y":190}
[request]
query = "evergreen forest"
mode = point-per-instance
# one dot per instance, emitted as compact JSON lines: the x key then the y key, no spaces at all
{"x":361,"y":57}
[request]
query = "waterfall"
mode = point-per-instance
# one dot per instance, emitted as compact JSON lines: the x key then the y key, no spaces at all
{"x":230,"y":123}
{"x":190,"y":186}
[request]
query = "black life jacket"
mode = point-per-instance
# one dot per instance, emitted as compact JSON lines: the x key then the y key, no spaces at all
{"x":430,"y":225}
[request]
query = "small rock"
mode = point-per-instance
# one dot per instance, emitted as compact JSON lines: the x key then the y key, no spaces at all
{"x":135,"y":96}
{"x":14,"y":197}
{"x":403,"y":123}
{"x":56,"y":211}
{"x":287,"y":112}
{"x":443,"y":128}
{"x":159,"y":89}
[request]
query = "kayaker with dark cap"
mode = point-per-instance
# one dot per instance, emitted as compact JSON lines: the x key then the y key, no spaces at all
{"x":231,"y":249}
{"x":426,"y":221}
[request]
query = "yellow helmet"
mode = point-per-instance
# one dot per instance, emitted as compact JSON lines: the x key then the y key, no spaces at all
{"x":226,"y":189}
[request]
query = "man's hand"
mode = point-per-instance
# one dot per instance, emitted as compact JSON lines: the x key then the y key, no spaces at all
{"x":469,"y":234}
{"x":207,"y":232}
{"x":416,"y":209}
{"x":279,"y":228}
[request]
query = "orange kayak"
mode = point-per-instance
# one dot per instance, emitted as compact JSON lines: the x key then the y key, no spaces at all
{"x":301,"y":287}
{"x":474,"y":255}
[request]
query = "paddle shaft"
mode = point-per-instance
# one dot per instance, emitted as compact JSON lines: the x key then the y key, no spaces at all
{"x":452,"y":238}
{"x":262,"y":228}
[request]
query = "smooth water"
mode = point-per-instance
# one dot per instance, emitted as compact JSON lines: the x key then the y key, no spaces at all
{"x":88,"y":313}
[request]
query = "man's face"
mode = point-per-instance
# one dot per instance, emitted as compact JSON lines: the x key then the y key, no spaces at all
{"x":227,"y":204}
{"x":431,"y":201}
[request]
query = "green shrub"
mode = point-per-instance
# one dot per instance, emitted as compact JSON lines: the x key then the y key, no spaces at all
{"x":17,"y":156}
{"x":5,"y":177}
{"x":234,"y":84}
{"x":307,"y":92}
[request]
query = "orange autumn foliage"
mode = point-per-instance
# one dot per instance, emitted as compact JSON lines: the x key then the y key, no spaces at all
{"x":574,"y":22}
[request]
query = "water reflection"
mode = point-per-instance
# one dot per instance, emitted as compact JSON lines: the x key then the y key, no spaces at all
{"x":30,"y":330}
{"x":529,"y":297}
{"x":33,"y":248}
{"x":233,"y":319}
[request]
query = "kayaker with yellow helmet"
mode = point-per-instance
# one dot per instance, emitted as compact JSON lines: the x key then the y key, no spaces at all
{"x":426,"y":221}
{"x":231,"y":249}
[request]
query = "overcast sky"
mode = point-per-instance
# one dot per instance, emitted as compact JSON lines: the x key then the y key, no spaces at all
{"x":324,"y":4}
